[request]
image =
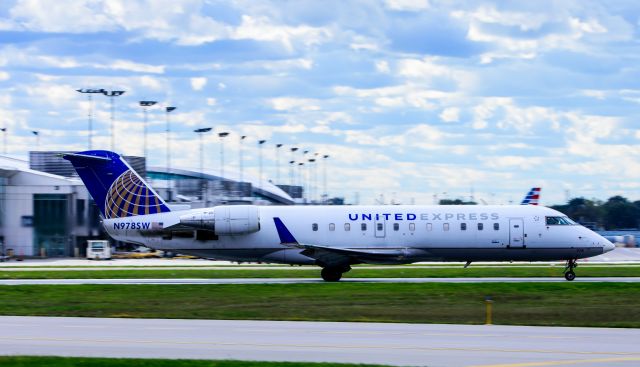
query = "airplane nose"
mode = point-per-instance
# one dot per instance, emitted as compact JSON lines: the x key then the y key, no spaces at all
{"x":608,"y":246}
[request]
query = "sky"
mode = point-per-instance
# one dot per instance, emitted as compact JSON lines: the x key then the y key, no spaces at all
{"x":412,"y":100}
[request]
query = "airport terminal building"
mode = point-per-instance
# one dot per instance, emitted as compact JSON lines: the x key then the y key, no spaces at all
{"x":45,"y":210}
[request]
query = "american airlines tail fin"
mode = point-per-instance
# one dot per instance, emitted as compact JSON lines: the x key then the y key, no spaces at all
{"x":116,"y":188}
{"x":532,"y":197}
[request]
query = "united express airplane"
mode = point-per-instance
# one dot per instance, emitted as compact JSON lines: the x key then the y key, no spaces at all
{"x":333,"y":237}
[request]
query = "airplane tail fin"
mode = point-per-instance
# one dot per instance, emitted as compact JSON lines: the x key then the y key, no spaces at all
{"x":532,"y":197}
{"x":117,"y":189}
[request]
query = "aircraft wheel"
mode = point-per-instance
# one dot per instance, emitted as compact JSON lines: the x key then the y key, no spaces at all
{"x":570,"y":275}
{"x":331,"y":274}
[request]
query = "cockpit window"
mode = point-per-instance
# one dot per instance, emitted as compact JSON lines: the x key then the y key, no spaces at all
{"x":560,"y":221}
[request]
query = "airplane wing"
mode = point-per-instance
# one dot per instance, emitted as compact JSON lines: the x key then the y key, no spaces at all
{"x":342,"y":256}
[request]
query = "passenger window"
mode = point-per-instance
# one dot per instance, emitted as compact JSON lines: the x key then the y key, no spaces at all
{"x":347,"y":227}
{"x":396,"y":226}
{"x":445,"y":226}
{"x":480,"y":226}
{"x":496,"y":226}
{"x":429,"y":227}
{"x":412,"y":227}
{"x":363,"y":226}
{"x":332,"y":227}
{"x":314,"y":226}
{"x":463,"y":226}
{"x":379,"y":225}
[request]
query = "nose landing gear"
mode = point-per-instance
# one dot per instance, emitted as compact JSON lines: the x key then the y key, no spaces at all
{"x":568,"y":270}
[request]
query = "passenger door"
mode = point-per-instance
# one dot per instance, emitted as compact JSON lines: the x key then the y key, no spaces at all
{"x":516,"y":232}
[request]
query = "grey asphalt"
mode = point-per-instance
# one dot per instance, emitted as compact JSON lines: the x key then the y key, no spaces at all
{"x":394,"y":344}
{"x":310,"y":280}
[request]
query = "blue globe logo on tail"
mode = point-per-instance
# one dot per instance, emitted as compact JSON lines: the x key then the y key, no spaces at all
{"x":129,"y":196}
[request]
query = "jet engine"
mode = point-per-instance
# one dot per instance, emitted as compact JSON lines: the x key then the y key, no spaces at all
{"x":225,"y":220}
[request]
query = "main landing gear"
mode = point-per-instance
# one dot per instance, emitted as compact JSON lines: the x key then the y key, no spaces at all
{"x":568,"y":270}
{"x":333,"y":274}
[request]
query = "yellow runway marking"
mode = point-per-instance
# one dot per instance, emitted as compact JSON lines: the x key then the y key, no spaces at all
{"x":563,"y":363}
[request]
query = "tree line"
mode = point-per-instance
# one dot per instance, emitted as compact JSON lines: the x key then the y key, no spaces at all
{"x":615,"y":213}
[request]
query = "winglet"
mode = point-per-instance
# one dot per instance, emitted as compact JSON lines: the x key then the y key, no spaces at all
{"x":285,"y":236}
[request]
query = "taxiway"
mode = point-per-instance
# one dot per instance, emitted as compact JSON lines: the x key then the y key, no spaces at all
{"x":393,"y":344}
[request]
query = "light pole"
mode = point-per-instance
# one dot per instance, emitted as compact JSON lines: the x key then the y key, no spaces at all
{"x":201,"y":132}
{"x":303,"y":181}
{"x":293,"y":160}
{"x":291,"y":170}
{"x":4,"y":140}
{"x":168,"y":133}
{"x":89,"y":93}
{"x":222,"y":135}
{"x":260,"y":143}
{"x":300,"y":168}
{"x":242,"y":137}
{"x":145,"y":106}
{"x":112,"y":94}
{"x":278,"y":146}
{"x":37,"y":135}
{"x":312,"y":178}
{"x":325,"y":195}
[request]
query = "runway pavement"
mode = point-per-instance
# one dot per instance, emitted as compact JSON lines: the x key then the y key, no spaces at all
{"x":394,"y":344}
{"x":310,"y":280}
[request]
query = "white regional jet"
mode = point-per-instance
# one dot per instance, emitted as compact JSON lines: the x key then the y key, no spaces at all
{"x":333,"y":237}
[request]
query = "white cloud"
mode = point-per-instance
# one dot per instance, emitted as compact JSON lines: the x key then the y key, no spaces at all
{"x":262,"y":29}
{"x":4,"y":75}
{"x":407,"y":5}
{"x":133,"y":66}
{"x":151,"y":83}
{"x":450,"y":114}
{"x":60,"y":16}
{"x":597,"y":94}
{"x":382,"y":66}
{"x":292,"y":103}
{"x":362,"y":43}
{"x":510,"y":162}
{"x":489,"y":14}
{"x":569,"y":32}
{"x":211,"y":102}
{"x":406,"y":95}
{"x":198,"y":83}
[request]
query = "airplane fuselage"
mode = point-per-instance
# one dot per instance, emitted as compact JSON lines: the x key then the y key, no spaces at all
{"x":411,"y":233}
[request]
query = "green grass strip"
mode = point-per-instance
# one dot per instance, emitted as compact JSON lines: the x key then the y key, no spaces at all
{"x":133,"y":362}
{"x":314,"y":272}
{"x":566,"y":304}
